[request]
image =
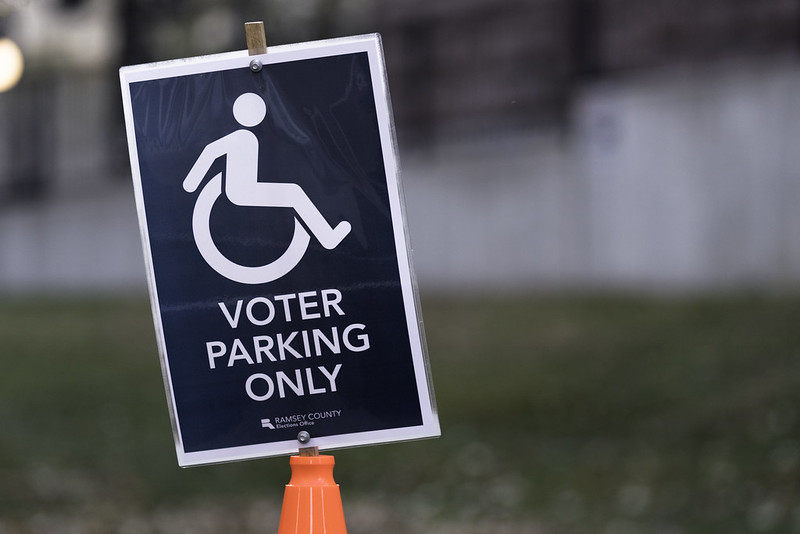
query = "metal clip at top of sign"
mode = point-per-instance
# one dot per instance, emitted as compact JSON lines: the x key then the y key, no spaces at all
{"x":256,"y":42}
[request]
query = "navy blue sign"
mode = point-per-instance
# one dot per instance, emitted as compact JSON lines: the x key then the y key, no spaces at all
{"x":278,"y":263}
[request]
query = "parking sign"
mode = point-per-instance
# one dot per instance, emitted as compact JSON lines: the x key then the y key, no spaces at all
{"x":278,"y":262}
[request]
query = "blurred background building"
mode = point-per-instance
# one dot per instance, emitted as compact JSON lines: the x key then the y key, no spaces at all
{"x":545,"y":144}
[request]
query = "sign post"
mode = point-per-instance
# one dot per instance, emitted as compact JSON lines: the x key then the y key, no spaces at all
{"x":278,"y":262}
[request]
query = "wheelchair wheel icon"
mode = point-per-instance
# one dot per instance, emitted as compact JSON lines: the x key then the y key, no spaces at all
{"x":243,"y":274}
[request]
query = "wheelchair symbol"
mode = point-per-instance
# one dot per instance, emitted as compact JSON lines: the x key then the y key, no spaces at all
{"x":242,"y":188}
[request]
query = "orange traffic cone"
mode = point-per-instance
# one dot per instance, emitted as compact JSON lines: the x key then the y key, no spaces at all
{"x":312,"y":503}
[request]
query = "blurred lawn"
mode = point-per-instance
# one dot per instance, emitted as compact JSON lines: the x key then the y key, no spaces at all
{"x":574,"y":415}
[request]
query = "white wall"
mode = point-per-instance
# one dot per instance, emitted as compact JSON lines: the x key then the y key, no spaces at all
{"x":693,"y":176}
{"x":79,"y":243}
{"x":679,"y":180}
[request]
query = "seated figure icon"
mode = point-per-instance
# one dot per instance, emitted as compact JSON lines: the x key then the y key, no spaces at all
{"x":243,"y":188}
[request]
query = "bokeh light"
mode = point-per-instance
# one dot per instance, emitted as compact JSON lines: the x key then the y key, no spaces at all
{"x":11,"y":64}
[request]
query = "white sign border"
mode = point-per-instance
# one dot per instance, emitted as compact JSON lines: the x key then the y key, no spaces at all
{"x":281,"y":54}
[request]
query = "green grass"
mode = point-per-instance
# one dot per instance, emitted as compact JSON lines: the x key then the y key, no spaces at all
{"x":572,"y":414}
